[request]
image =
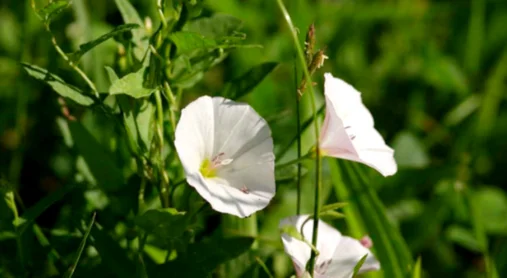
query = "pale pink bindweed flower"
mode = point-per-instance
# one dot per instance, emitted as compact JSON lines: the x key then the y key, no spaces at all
{"x":226,"y":150}
{"x":348,"y":131}
{"x":338,"y":254}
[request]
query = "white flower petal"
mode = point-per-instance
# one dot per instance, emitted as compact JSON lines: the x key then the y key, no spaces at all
{"x":194,"y":134}
{"x":338,"y":254}
{"x":236,"y":142}
{"x":299,"y":251}
{"x":348,"y":131}
{"x":347,"y":254}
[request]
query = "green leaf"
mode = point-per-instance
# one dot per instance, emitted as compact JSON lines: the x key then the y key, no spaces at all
{"x":359,"y":264}
{"x":100,"y":163}
{"x":392,"y":250}
{"x":166,"y":223}
{"x":188,"y":41}
{"x":333,"y":206}
{"x":52,"y":9}
{"x":81,"y":248}
{"x":131,"y":84}
{"x":491,"y":205}
{"x":463,"y":237}
{"x":409,"y":151}
{"x":417,"y":272}
{"x":112,"y":255}
{"x":138,"y":117}
{"x":240,"y":86}
{"x":111,"y":74}
{"x":202,"y":258}
{"x":216,"y":26}
{"x":62,"y":88}
{"x":34,"y":211}
{"x":83,"y":48}
{"x":292,"y":232}
{"x":139,"y":36}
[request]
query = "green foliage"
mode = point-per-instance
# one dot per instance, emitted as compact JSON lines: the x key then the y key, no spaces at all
{"x":52,"y":9}
{"x":432,"y":73}
{"x":201,"y":258}
{"x":84,"y":48}
{"x":131,"y":85}
{"x":62,"y":88}
{"x":243,"y":84}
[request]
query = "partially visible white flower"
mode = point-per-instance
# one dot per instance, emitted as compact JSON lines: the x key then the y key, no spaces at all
{"x":338,"y":254}
{"x":226,"y":150}
{"x":348,"y":130}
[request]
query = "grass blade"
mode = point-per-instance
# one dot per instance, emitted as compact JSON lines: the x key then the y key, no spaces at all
{"x":81,"y":247}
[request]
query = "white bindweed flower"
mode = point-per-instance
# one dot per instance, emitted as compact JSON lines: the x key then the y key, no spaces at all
{"x":338,"y":254}
{"x":226,"y":150}
{"x":348,"y":130}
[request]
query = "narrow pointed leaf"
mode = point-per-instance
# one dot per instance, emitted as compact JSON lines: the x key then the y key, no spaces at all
{"x":81,"y":248}
{"x":83,"y":48}
{"x":359,"y":264}
{"x":417,"y":272}
{"x":62,"y":88}
{"x":392,"y":250}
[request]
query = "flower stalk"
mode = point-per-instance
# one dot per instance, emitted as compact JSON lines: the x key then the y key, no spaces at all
{"x":307,"y":75}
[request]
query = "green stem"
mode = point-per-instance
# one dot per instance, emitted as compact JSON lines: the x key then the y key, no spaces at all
{"x":302,"y":59}
{"x":298,"y":124}
{"x":173,"y":105}
{"x":64,"y":56}
{"x":11,"y":203}
{"x":164,"y":179}
{"x":160,"y":8}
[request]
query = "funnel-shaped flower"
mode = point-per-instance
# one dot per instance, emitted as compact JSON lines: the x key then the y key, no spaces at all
{"x":226,"y":151}
{"x":338,"y":254}
{"x":348,"y":130}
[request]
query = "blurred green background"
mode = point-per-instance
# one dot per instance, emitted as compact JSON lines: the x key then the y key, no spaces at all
{"x":433,"y":74}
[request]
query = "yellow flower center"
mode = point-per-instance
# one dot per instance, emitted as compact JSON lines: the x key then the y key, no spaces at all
{"x":208,"y":169}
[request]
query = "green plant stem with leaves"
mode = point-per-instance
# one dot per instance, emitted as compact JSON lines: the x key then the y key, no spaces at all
{"x":302,"y":60}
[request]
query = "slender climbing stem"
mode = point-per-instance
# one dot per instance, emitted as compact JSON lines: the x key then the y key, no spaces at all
{"x":298,"y":127}
{"x":64,"y":56}
{"x":164,"y":179}
{"x":302,"y":60}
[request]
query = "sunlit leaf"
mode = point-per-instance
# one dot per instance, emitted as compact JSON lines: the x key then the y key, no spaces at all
{"x":188,"y":41}
{"x":52,"y":9}
{"x":132,"y":85}
{"x":359,"y":264}
{"x":62,"y":88}
{"x":492,"y":209}
{"x":417,"y":272}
